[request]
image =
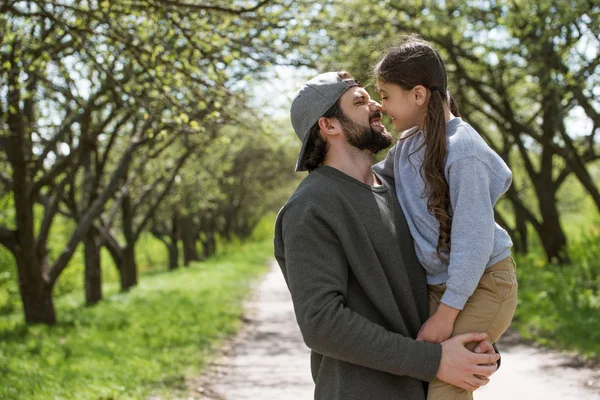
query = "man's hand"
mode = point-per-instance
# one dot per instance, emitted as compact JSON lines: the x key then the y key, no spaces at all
{"x":485,"y":347}
{"x":463,"y":368}
{"x":439,"y":326}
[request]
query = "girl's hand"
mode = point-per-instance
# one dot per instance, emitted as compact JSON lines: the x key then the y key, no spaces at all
{"x":435,"y":330}
{"x":439,"y":326}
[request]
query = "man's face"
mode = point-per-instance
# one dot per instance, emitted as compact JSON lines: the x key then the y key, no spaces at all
{"x":362,"y":121}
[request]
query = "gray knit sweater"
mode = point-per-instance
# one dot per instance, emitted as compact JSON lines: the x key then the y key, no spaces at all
{"x":359,"y":293}
{"x":477,"y":177}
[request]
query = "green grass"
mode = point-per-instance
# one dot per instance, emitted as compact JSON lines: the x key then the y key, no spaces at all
{"x":131,"y":344}
{"x":152,"y":338}
{"x":559,"y":305}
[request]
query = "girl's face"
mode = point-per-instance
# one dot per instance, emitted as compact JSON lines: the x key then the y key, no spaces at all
{"x":407,"y":108}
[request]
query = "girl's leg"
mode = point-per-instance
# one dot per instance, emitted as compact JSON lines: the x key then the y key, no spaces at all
{"x":490,"y":309}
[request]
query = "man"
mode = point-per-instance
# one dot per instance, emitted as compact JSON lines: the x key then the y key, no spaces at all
{"x":343,"y":245}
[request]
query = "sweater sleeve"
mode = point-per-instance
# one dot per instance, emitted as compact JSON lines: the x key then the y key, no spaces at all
{"x":316,"y":270}
{"x":472,"y":236}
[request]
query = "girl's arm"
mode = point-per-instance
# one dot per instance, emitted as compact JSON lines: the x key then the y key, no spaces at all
{"x":473,"y":225}
{"x":471,"y":243}
{"x":385,"y":168}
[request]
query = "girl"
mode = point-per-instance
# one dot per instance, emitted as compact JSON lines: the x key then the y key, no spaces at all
{"x":447,"y":181}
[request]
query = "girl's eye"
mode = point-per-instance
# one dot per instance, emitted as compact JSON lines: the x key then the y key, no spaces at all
{"x":384,"y":98}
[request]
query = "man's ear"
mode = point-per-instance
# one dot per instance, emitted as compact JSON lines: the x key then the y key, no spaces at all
{"x":330,"y":126}
{"x":419,"y":95}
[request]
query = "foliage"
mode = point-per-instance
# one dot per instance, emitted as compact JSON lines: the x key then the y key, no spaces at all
{"x":132,"y":344}
{"x":559,"y":305}
{"x":102,"y":102}
{"x":518,"y":82}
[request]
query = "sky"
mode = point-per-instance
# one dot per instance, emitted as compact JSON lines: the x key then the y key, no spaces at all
{"x":274,"y":96}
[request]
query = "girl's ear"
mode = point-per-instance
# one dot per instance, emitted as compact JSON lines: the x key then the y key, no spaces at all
{"x":419,"y":95}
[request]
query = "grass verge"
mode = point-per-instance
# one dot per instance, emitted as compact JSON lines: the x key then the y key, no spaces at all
{"x":131,"y":344}
{"x":559,"y":305}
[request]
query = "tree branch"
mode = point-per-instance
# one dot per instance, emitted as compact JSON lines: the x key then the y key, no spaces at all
{"x":513,"y":195}
{"x":6,"y":180}
{"x":56,"y":170}
{"x":503,"y":222}
{"x":8,"y":238}
{"x":239,"y":11}
{"x":566,"y":171}
{"x":50,"y":211}
{"x":111,"y":142}
{"x":165,"y":191}
{"x":93,"y":211}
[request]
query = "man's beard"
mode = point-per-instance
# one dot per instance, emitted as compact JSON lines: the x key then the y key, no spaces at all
{"x":365,"y":137}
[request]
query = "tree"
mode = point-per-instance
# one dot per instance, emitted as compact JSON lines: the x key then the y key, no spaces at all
{"x":45,"y":140}
{"x":517,"y":69}
{"x":70,"y":71}
{"x":224,"y":191}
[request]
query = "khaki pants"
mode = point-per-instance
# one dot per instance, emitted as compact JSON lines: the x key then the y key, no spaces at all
{"x":490,"y":309}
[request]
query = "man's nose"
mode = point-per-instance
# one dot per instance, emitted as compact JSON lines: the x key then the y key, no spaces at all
{"x":378,"y":107}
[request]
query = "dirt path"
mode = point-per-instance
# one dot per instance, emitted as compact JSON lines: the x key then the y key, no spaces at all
{"x":269,"y":361}
{"x":533,"y":372}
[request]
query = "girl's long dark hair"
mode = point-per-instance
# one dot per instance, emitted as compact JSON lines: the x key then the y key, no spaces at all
{"x":414,"y":62}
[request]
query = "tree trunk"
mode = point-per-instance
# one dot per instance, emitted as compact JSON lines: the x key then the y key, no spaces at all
{"x":551,"y":233}
{"x":38,"y":304}
{"x":124,"y":259}
{"x":521,"y":229}
{"x":190,"y":252}
{"x":93,"y":273}
{"x":550,"y":230}
{"x":115,"y":250}
{"x":173,"y":255}
{"x":128,"y":269}
{"x":35,"y":286}
{"x":174,"y":243}
{"x":36,"y":292}
{"x":511,"y":232}
{"x":554,"y":244}
{"x":209,"y":245}
{"x":189,"y":236}
{"x":34,"y":282}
